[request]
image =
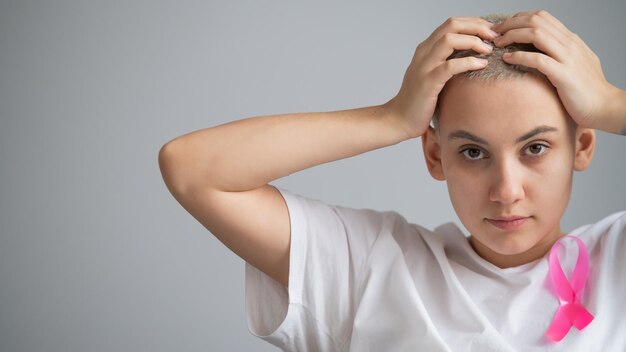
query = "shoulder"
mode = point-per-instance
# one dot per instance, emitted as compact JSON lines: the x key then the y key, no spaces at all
{"x":616,"y":218}
{"x":610,"y":223}
{"x":418,"y":245}
{"x":614,"y":225}
{"x":365,"y":229}
{"x":606,"y":235}
{"x":315,"y":211}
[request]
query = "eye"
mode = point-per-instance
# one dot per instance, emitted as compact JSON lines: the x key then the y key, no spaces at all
{"x":473,"y":153}
{"x":536,"y":149}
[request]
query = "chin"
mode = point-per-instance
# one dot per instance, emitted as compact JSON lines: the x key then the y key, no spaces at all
{"x":511,"y":249}
{"x":510,"y":243}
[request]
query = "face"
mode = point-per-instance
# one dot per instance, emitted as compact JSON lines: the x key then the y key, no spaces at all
{"x":507,"y":150}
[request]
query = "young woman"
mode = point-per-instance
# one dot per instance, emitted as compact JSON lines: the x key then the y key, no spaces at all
{"x":507,"y":134}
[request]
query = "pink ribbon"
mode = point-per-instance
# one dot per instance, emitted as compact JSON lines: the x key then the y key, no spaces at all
{"x":571,"y":311}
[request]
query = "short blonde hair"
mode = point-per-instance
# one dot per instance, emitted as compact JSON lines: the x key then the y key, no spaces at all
{"x":496,"y":69}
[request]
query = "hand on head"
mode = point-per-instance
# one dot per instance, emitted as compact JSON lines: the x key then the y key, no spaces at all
{"x":429,"y":69}
{"x":570,"y":65}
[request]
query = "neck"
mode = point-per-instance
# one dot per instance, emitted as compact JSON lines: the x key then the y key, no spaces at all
{"x":539,"y":250}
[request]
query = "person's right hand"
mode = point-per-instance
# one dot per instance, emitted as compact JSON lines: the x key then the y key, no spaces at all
{"x":429,"y":70}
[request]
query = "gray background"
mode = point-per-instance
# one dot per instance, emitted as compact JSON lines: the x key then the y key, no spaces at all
{"x":96,"y":255}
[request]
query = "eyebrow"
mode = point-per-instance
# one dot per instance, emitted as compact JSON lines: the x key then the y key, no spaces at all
{"x":462,"y":134}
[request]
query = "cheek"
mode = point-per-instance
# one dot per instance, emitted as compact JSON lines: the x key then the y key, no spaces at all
{"x":466,"y":189}
{"x":553,"y":183}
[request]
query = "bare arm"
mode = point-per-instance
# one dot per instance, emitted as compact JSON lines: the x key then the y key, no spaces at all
{"x":615,"y":120}
{"x":220,"y":174}
{"x":249,"y":153}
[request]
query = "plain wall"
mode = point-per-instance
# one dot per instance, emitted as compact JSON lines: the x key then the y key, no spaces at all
{"x":96,"y":255}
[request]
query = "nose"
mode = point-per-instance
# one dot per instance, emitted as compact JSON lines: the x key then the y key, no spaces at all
{"x":507,"y":187}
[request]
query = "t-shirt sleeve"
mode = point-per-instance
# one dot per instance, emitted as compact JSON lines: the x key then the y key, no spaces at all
{"x":328,"y":248}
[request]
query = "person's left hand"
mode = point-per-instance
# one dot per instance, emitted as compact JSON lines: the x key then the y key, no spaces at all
{"x":568,"y":63}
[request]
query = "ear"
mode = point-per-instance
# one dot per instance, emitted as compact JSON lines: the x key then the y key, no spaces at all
{"x":432,"y":154}
{"x":585,"y":145}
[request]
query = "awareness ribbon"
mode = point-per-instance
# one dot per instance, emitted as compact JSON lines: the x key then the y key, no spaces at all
{"x":571,"y":311}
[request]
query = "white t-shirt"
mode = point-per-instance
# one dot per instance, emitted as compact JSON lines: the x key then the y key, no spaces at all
{"x":366,"y":280}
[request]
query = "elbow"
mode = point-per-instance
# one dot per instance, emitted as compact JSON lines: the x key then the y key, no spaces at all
{"x":167,"y":166}
{"x":165,"y":155}
{"x":179,"y":168}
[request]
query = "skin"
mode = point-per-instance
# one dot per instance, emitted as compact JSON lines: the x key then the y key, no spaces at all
{"x":223,"y":184}
{"x":566,"y":61}
{"x":572,"y":92}
{"x":498,"y":175}
{"x":570,"y":66}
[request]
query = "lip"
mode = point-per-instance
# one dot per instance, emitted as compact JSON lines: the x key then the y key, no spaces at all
{"x":509,"y":222}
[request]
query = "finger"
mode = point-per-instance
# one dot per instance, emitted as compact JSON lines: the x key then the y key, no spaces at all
{"x":543,"y":63}
{"x":442,"y":73}
{"x":550,"y":18}
{"x":464,"y":25}
{"x":451,"y":41}
{"x":540,"y":38}
{"x":524,"y":13}
{"x":531,"y":19}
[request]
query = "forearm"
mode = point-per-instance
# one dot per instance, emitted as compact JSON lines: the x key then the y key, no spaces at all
{"x":615,"y":119}
{"x":249,"y":153}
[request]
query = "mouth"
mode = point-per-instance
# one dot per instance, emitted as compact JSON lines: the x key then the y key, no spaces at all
{"x":509,"y":222}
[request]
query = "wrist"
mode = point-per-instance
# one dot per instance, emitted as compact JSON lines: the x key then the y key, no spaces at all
{"x":614,"y":119}
{"x":397,"y":118}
